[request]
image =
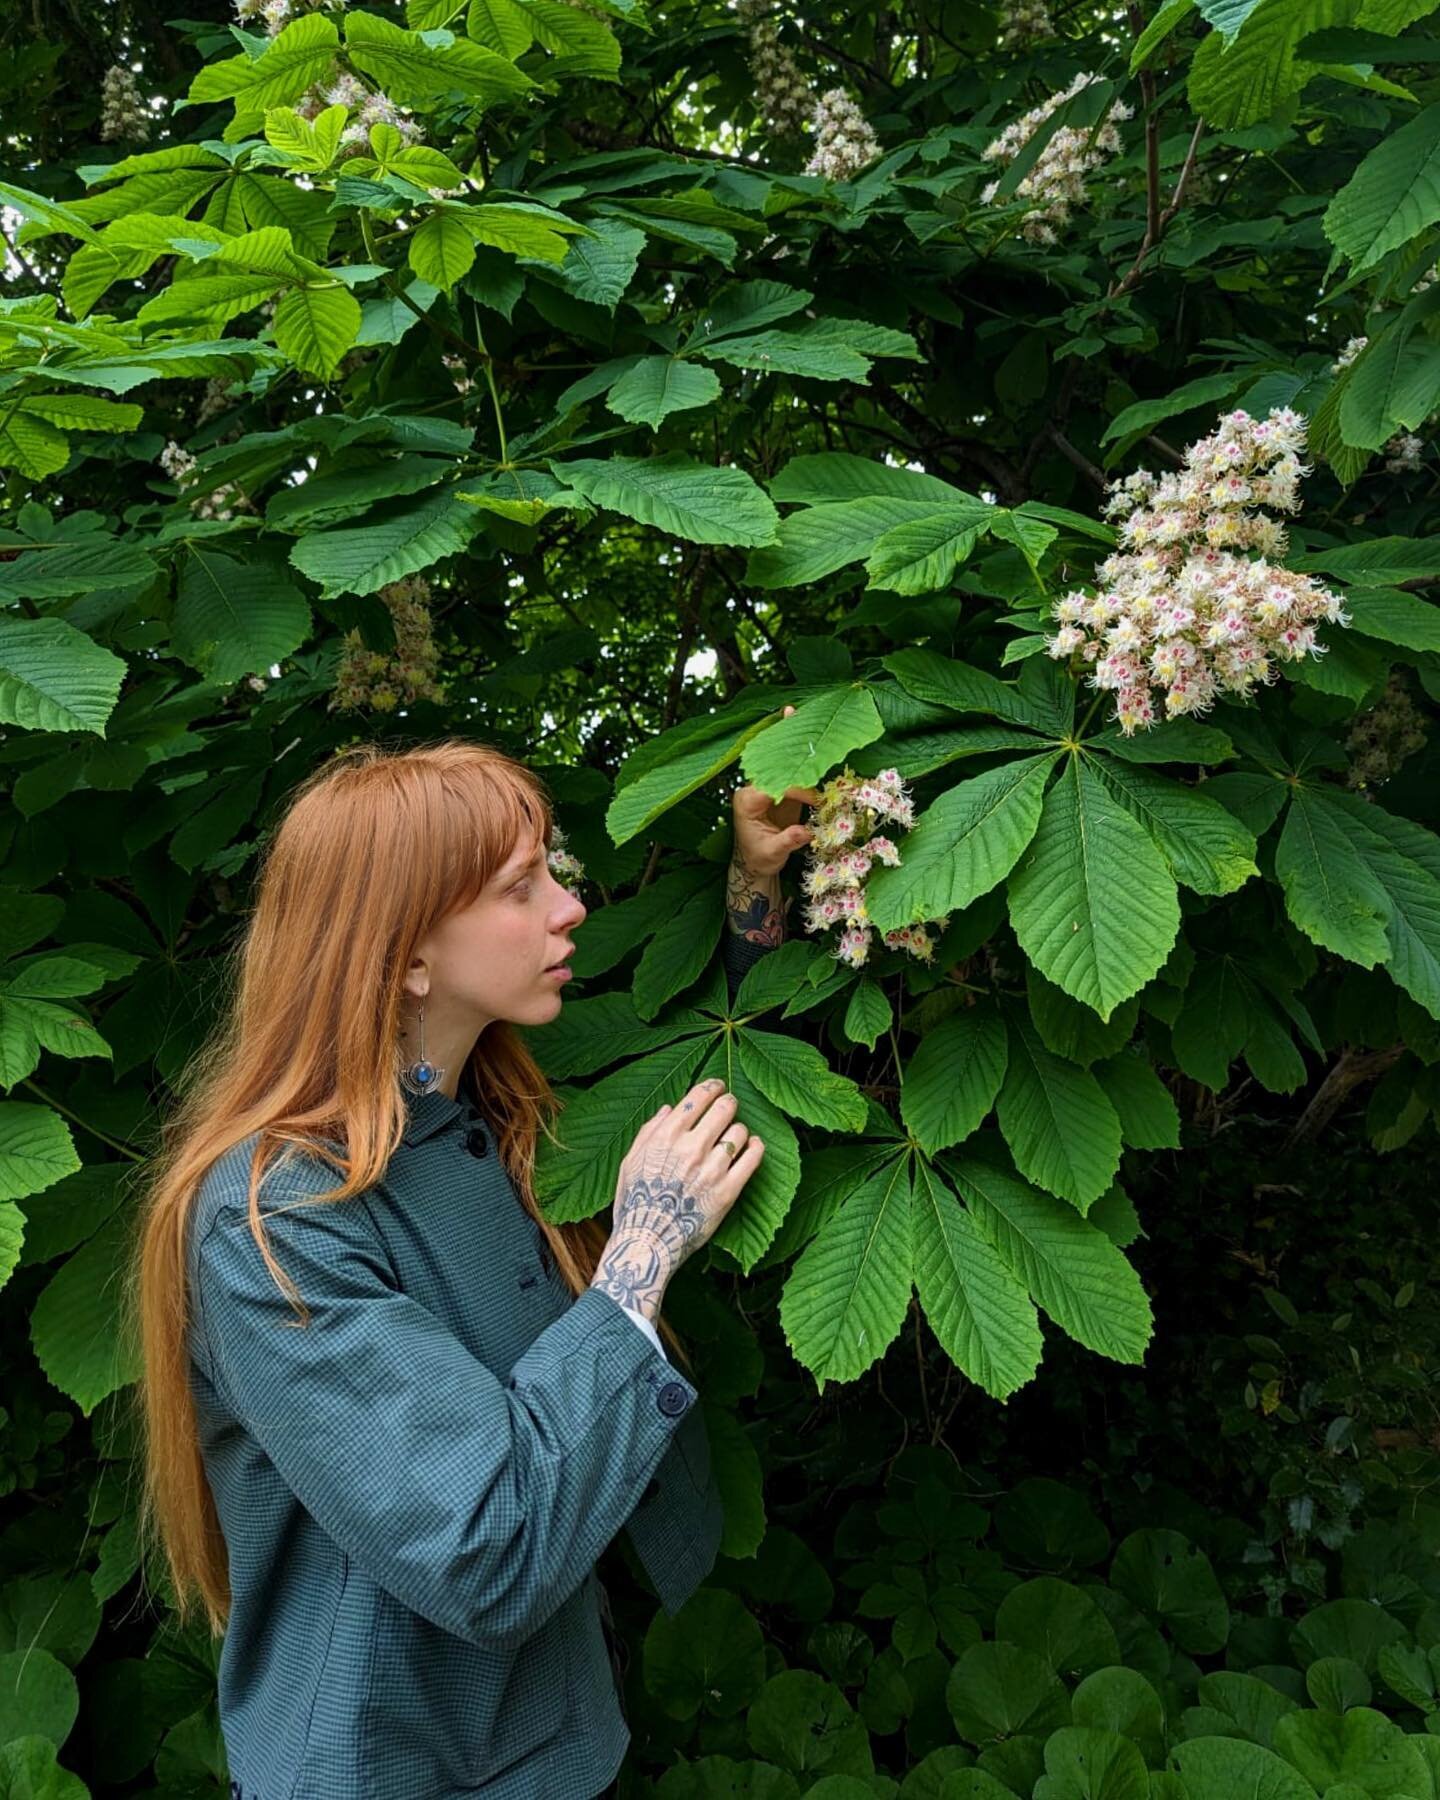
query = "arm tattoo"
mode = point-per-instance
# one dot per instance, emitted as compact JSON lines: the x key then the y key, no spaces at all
{"x":752,"y":905}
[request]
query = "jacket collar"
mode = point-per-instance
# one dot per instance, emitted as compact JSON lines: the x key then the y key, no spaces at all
{"x":432,"y":1112}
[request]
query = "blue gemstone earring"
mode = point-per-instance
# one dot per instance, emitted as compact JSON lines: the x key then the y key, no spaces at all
{"x":421,"y":1077}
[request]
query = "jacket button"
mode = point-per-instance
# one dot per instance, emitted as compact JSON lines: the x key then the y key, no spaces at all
{"x":475,"y":1140}
{"x":672,"y":1399}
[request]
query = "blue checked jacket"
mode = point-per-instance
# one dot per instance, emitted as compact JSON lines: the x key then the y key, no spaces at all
{"x":414,"y":1489}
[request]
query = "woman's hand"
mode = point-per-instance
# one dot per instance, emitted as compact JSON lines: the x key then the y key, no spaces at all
{"x":766,"y":830}
{"x":678,"y":1180}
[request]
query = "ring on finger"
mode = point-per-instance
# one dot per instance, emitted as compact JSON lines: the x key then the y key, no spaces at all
{"x":732,"y":1148}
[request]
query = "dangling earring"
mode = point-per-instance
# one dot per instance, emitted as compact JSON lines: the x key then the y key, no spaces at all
{"x":420,"y":1077}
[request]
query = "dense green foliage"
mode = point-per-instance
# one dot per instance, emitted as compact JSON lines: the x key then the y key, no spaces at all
{"x":533,"y":388}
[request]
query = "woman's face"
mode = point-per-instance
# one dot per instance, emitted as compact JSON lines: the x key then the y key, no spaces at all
{"x":494,"y":958}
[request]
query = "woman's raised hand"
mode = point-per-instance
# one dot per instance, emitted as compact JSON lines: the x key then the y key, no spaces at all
{"x":678,"y":1180}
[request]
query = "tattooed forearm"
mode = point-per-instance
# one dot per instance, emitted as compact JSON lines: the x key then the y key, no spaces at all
{"x":657,"y":1220}
{"x":753,"y":908}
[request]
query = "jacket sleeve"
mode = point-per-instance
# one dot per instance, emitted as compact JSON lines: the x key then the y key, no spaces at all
{"x":480,"y":1501}
{"x":740,"y":955}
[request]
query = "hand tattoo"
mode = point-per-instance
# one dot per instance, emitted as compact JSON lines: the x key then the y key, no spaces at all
{"x":657,"y":1223}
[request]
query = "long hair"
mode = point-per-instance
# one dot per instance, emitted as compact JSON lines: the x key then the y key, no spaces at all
{"x":308,"y":1046}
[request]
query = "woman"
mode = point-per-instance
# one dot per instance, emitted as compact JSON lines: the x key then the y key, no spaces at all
{"x":390,"y":1495}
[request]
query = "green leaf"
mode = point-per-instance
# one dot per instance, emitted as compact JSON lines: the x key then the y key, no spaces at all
{"x":443,"y":249}
{"x":295,"y":59}
{"x":1069,"y":1266}
{"x":796,"y":1078}
{"x":920,"y":556}
{"x":941,"y":681}
{"x":1395,"y":617}
{"x":821,"y":539}
{"x":847,"y":1296}
{"x":363,"y":558}
{"x":976,"y":1304}
{"x":829,"y":477}
{"x":664,"y":771}
{"x":1259,"y":71}
{"x":801,"y":750}
{"x":1329,"y":893}
{"x":656,"y":386}
{"x":1215,"y":1768}
{"x":678,"y":495}
{"x":316,"y":326}
{"x":84,"y":412}
{"x":1206,"y":391}
{"x":598,"y":269}
{"x":414,"y":73}
{"x":962,"y":845}
{"x":1091,"y":901}
{"x":1148,"y":1116}
{"x":77,"y":1321}
{"x":1170,"y":1580}
{"x":749,"y":1228}
{"x":1173,"y":740}
{"x":1206,"y":846}
{"x":500,"y":25}
{"x":30,"y":444}
{"x":1392,"y":196}
{"x":950,"y":1082}
{"x":1062,"y":1130}
{"x":1214,"y":1023}
{"x":599,"y":1124}
{"x":55,"y":678}
{"x":235,"y":618}
{"x":680,"y":950}
{"x":868,"y":1014}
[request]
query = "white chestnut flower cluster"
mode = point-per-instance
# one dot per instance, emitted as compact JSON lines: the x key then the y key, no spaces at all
{"x":563,"y":864}
{"x":1177,"y":611}
{"x":1383,"y":736}
{"x":223,"y":503}
{"x":844,"y":142}
{"x":781,"y":91}
{"x":839,"y":857}
{"x":1056,"y":182}
{"x":1028,"y":22}
{"x":122,"y":109}
{"x":345,"y":89}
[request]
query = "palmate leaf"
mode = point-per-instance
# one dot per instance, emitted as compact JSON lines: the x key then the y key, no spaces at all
{"x":1329,"y":893}
{"x":598,"y":1126}
{"x":1395,"y":617}
{"x":819,"y":734}
{"x":962,"y":845}
{"x":675,"y":493}
{"x":1091,"y":900}
{"x":1062,"y":1130}
{"x":31,"y":444}
{"x":975,"y":1303}
{"x":1214,"y":1022}
{"x":942,"y":681}
{"x":796,"y":1078}
{"x":1206,"y":847}
{"x":848,"y":1293}
{"x":1148,"y":1116}
{"x":827,"y":1177}
{"x":1070,"y":1268}
{"x":442,"y":250}
{"x":950,"y":1082}
{"x":500,"y":25}
{"x":55,"y":678}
